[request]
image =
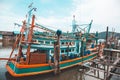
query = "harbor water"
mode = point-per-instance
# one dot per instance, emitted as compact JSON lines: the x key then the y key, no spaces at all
{"x":68,"y":74}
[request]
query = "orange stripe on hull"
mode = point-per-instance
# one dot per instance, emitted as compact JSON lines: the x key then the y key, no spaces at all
{"x":29,"y":66}
{"x":42,"y":65}
{"x":43,"y":72}
{"x":25,"y":74}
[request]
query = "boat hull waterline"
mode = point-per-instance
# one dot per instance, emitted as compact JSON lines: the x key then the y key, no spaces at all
{"x":19,"y":70}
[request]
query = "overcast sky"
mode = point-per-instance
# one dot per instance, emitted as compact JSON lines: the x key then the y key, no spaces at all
{"x":58,"y":13}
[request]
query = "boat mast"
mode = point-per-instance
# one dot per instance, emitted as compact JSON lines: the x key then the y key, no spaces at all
{"x":30,"y":39}
{"x":88,"y":30}
{"x":74,"y":26}
{"x":21,"y":39}
{"x":29,"y":30}
{"x":28,"y":20}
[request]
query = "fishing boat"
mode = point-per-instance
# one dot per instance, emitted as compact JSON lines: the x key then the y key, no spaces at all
{"x":50,"y":51}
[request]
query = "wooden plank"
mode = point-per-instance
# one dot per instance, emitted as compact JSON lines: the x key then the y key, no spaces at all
{"x":102,"y":70}
{"x":38,"y":58}
{"x":115,"y":63}
{"x":112,"y":50}
{"x":93,"y":76}
{"x":7,"y":59}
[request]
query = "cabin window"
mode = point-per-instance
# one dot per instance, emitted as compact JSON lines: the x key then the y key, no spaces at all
{"x":62,"y":43}
{"x":69,"y":50}
{"x":62,"y":51}
{"x":72,"y":49}
{"x":52,"y":42}
{"x":52,"y":51}
{"x":47,"y":42}
{"x":66,"y":50}
{"x":41,"y":42}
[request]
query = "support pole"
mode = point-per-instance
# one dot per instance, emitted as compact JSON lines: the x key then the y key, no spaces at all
{"x":104,"y":71}
{"x":20,"y":54}
{"x":30,"y":39}
{"x":106,"y":37}
{"x":98,"y":71}
{"x":57,"y":53}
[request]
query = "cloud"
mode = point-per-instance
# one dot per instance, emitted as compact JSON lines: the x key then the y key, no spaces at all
{"x":103,"y":12}
{"x":7,"y":22}
{"x":45,"y":1}
{"x":8,"y":18}
{"x":55,"y":23}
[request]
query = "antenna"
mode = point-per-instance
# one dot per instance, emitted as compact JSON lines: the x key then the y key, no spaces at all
{"x":73,"y":17}
{"x":74,"y":24}
{"x":30,"y":5}
{"x":29,"y":16}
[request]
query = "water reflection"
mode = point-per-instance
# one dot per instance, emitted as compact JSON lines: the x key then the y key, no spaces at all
{"x":69,"y":74}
